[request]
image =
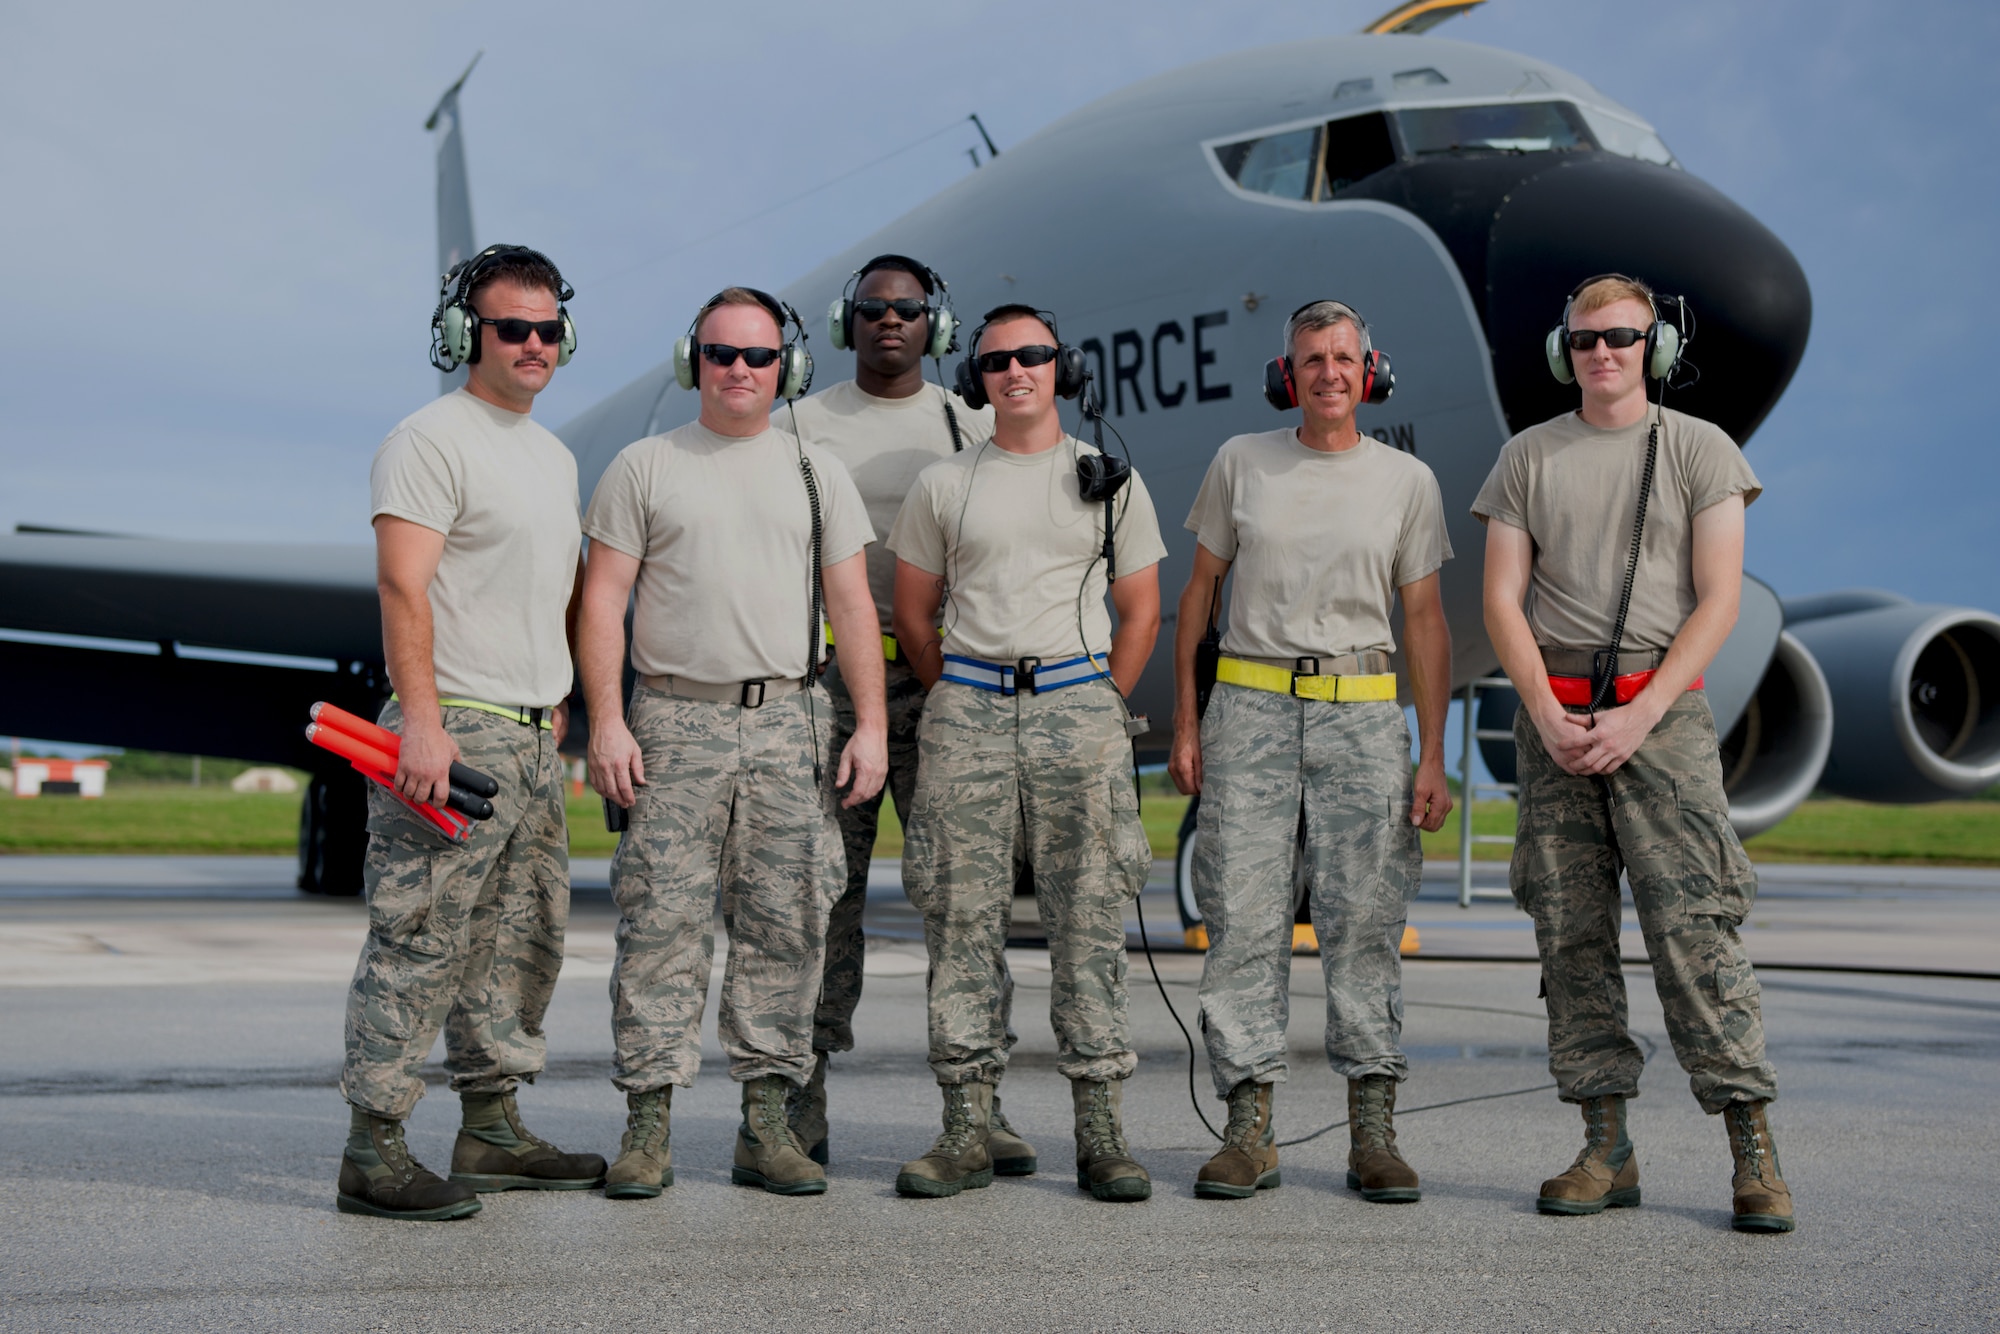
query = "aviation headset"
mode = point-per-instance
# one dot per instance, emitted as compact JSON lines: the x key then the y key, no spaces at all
{"x":455,"y":324}
{"x":1663,"y":340}
{"x":795,"y":363}
{"x":943,"y":319}
{"x":1378,"y":379}
{"x":1071,"y":374}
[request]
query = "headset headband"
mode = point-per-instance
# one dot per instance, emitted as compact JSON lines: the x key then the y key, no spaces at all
{"x":1011,"y":311}
{"x":1360,"y":323}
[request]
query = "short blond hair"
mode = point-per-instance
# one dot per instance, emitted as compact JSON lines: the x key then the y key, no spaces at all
{"x":1609,"y":290}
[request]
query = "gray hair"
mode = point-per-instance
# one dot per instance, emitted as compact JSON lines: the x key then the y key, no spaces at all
{"x":1324,"y":315}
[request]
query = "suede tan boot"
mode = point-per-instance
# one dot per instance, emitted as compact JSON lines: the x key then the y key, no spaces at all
{"x":958,"y":1159}
{"x":805,"y":1109}
{"x":767,"y":1154}
{"x":1374,"y":1165}
{"x":1248,"y":1159}
{"x":1104,"y":1166}
{"x":1012,"y":1156}
{"x":496,"y":1152}
{"x":1606,"y":1174}
{"x":645,"y":1165}
{"x":1763,"y":1201}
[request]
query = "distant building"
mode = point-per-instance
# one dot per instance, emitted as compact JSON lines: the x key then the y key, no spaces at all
{"x":59,"y":778}
{"x":263,"y":780}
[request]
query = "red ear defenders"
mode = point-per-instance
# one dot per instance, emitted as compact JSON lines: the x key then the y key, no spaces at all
{"x":1378,"y":378}
{"x":1071,"y":371}
{"x":1378,"y":381}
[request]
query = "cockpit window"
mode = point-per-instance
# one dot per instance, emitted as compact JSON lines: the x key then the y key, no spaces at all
{"x":1319,"y":162}
{"x":1276,"y":164}
{"x":1518,"y":127}
{"x":1628,"y":138}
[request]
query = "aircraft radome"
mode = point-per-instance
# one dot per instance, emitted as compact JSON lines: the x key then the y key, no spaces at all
{"x":1451,"y":191}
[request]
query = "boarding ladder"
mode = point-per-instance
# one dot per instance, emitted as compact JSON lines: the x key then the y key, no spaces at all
{"x":1469,"y":791}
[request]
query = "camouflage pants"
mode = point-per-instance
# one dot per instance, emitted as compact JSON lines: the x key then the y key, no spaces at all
{"x":1047,"y":778}
{"x":1265,"y":758}
{"x":1665,"y":824}
{"x":729,"y":799}
{"x":465,"y":937}
{"x":846,"y":948}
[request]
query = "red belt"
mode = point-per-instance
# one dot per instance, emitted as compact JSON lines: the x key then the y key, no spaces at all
{"x":1575,"y":690}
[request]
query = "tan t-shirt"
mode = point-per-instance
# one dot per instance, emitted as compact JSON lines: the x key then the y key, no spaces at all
{"x":723,"y":531}
{"x":1320,"y":541}
{"x":502,"y":490}
{"x":1014,"y":539}
{"x":1574,"y":489}
{"x":885,"y":443}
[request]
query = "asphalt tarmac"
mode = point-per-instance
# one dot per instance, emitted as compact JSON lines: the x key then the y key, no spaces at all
{"x":170,"y":1132}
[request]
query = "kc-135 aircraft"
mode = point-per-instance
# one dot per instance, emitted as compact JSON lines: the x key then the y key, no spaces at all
{"x":1453,"y":192}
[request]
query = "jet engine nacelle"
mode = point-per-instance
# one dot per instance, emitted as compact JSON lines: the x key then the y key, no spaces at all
{"x":1916,"y":690}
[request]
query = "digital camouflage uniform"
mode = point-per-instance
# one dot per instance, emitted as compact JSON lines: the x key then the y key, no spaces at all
{"x":465,"y":937}
{"x":729,"y":798}
{"x":846,"y":948}
{"x":1263,"y":755}
{"x":1046,"y":778}
{"x":1665,"y":825}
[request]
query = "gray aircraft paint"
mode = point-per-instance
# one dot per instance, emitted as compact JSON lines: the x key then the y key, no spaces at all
{"x":454,"y":194}
{"x":1118,"y":219}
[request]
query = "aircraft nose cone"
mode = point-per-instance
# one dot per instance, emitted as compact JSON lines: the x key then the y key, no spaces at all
{"x":1604,"y":214}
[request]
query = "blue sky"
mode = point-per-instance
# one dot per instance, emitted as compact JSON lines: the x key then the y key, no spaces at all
{"x":221,"y":219}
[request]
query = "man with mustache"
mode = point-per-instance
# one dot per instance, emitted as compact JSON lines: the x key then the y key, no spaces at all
{"x":476,"y":540}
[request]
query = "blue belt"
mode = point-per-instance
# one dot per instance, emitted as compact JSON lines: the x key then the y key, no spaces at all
{"x":1029,"y":674}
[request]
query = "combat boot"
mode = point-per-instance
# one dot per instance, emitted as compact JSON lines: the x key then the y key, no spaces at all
{"x":1763,"y":1200}
{"x":1374,"y":1165}
{"x":1248,"y":1159}
{"x":645,"y":1165}
{"x":496,"y":1152}
{"x":767,"y":1154}
{"x":378,"y":1177}
{"x":958,"y":1160}
{"x":1606,"y":1174}
{"x":805,"y":1110}
{"x":1104,"y":1166}
{"x":1012,"y":1156}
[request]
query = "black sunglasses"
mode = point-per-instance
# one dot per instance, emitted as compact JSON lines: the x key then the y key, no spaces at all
{"x":722,"y":354}
{"x":1582,"y":340}
{"x":517,"y":331}
{"x":874,"y":308}
{"x":1035,"y":354}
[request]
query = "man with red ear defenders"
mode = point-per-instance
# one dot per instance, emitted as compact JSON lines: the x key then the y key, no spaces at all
{"x":1323,"y":528}
{"x":886,"y":425}
{"x":1614,"y":564}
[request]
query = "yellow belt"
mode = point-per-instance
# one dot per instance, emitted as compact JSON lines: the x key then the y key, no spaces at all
{"x":891,"y":650}
{"x":1278,"y":681}
{"x":497,"y":710}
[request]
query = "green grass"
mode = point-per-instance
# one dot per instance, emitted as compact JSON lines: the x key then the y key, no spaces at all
{"x":162,"y":819}
{"x":174,"y":819}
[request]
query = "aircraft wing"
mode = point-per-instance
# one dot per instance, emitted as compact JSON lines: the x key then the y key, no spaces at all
{"x":296,"y":599}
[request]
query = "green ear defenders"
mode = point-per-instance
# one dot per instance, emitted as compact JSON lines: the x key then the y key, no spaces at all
{"x":795,"y":363}
{"x":943,"y":319}
{"x":455,"y":324}
{"x":1071,"y":372}
{"x":1663,"y":340}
